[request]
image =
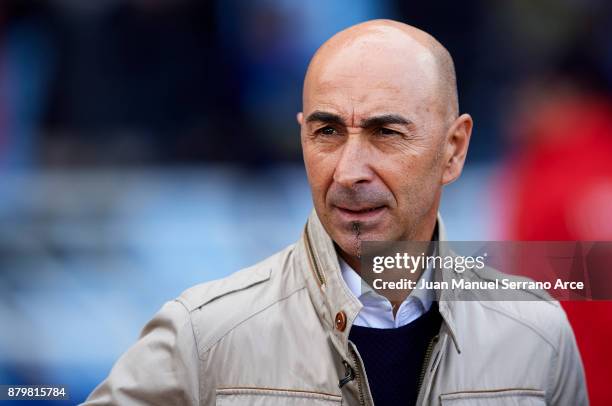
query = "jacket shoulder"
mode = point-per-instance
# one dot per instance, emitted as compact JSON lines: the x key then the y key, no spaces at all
{"x":218,"y":307}
{"x":204,"y":293}
{"x":240,"y":281}
{"x":532,"y":308}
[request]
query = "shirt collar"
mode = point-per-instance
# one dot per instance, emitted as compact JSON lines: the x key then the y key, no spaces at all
{"x":365,"y":293}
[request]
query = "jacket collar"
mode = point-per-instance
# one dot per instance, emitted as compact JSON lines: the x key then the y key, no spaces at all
{"x":318,"y":261}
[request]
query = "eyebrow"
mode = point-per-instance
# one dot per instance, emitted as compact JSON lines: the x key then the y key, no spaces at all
{"x":325,"y":117}
{"x":376,"y":121}
{"x":385,"y":119}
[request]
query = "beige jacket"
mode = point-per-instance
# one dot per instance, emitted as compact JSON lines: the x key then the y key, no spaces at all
{"x":277,"y":334}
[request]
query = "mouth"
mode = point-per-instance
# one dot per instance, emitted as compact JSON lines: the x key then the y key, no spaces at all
{"x":360,"y":213}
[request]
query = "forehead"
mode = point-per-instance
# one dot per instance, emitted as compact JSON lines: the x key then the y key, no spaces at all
{"x":373,"y":75}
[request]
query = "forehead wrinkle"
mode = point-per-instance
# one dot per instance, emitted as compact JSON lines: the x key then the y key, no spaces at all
{"x":329,"y":84}
{"x":357,"y":92}
{"x":363,"y":103}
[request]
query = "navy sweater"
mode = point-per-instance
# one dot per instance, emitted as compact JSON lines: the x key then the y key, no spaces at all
{"x":393,"y":358}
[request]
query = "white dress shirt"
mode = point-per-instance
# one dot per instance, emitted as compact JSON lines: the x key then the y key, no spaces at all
{"x":377,"y":310}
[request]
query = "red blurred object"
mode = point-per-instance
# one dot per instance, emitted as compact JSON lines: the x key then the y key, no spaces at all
{"x":559,"y":187}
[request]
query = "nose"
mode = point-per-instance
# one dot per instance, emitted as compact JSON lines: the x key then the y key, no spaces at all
{"x":353,"y":166}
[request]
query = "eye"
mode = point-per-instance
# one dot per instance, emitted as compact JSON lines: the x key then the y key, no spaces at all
{"x":327,"y":131}
{"x":386,"y":132}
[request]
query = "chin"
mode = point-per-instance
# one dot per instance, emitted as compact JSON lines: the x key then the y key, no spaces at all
{"x":350,"y":243}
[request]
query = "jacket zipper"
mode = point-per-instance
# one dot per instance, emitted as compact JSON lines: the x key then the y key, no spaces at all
{"x":352,"y":373}
{"x":428,"y":353}
{"x":358,"y":376}
{"x":349,"y":374}
{"x":311,"y":257}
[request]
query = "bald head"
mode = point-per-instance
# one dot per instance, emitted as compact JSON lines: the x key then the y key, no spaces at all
{"x":361,"y":52}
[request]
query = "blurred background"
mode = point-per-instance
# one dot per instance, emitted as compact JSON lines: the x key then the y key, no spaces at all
{"x":149,"y":145}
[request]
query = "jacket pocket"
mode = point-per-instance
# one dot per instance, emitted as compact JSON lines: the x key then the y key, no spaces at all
{"x":497,"y":397}
{"x":274,"y":397}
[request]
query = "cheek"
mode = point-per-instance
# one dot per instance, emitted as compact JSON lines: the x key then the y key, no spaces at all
{"x":320,"y":172}
{"x":410,"y":179}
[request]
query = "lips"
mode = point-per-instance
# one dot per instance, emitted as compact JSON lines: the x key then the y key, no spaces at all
{"x":360,"y":213}
{"x":356,"y":210}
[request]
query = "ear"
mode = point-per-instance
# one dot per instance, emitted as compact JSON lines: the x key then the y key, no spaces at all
{"x":300,"y":118}
{"x":457,"y":142}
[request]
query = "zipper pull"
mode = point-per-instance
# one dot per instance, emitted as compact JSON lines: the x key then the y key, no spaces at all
{"x":349,"y":375}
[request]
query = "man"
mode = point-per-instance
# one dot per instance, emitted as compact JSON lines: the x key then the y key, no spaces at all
{"x":381,"y":136}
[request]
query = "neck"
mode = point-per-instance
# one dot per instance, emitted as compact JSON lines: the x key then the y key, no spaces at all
{"x":355,"y":263}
